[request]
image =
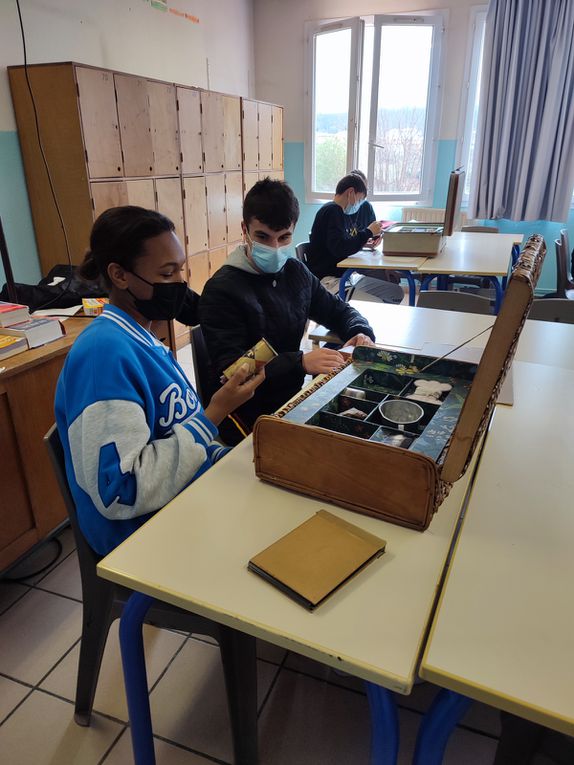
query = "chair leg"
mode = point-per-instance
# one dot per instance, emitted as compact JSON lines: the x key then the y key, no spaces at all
{"x":97,"y":610}
{"x":240,"y":668}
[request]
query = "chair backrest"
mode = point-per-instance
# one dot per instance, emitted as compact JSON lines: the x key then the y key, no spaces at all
{"x":553,"y":310}
{"x":562,"y":282}
{"x":565,"y":243}
{"x":448,"y":300}
{"x":87,"y":557}
{"x":481,"y":229}
{"x":204,"y":384}
{"x":301,"y":250}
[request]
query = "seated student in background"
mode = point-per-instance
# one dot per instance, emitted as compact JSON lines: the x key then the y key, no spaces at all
{"x":336,"y":235}
{"x":263,"y":291}
{"x":133,"y":430}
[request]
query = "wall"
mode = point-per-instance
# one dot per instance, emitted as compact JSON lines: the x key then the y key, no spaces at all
{"x":280,"y":51}
{"x":214,"y":49}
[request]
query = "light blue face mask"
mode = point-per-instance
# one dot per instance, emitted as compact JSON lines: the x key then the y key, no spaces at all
{"x":270,"y":260}
{"x":352,"y":209}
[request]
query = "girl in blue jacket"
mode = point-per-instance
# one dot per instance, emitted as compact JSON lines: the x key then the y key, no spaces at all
{"x":133,"y":429}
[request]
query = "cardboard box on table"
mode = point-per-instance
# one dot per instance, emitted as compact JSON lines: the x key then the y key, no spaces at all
{"x":310,"y":447}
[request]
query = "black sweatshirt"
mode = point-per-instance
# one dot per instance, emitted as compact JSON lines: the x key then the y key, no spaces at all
{"x":331,"y":241}
{"x":238,"y":308}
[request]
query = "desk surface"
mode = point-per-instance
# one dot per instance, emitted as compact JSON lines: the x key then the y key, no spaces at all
{"x":541,"y":342}
{"x":473,"y":253}
{"x":464,"y":253}
{"x":504,"y":629}
{"x":194,"y":554}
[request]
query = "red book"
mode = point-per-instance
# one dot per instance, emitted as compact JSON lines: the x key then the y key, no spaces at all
{"x":12,"y":313}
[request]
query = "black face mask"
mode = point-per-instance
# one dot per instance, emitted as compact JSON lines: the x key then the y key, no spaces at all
{"x":166,"y":300}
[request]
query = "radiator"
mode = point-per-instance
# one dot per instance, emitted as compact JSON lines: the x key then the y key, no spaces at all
{"x":428,"y":215}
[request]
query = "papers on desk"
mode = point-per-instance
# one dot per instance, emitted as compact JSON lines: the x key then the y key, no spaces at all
{"x":472,"y":354}
{"x":61,"y":313}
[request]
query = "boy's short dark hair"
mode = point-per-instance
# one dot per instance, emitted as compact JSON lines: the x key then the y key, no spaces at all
{"x":273,"y":203}
{"x":351,"y":181}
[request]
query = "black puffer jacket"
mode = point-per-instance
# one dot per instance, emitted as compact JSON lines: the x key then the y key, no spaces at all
{"x":238,"y":308}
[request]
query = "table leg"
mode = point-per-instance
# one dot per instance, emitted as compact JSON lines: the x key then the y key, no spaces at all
{"x":343,"y":282}
{"x":426,"y":281}
{"x":240,"y":669}
{"x":384,"y":725}
{"x":446,"y":711}
{"x":498,"y":289}
{"x":135,"y":678}
{"x":412,"y":286}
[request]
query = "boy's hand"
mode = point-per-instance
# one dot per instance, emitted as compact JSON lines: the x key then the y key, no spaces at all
{"x":360,"y":339}
{"x":236,"y":391}
{"x":375,"y":228}
{"x":322,"y":361}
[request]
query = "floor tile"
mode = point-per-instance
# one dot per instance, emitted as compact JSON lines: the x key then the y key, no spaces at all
{"x":310,"y":722}
{"x":42,"y":556}
{"x":11,"y":694}
{"x":64,"y":579}
{"x":463,"y":748}
{"x":9,"y":593}
{"x":189,"y":704}
{"x":165,"y":754}
{"x":160,"y":647}
{"x":35,"y":633}
{"x":42,"y":731}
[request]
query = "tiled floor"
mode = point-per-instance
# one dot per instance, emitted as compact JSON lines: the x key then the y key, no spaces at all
{"x":309,"y":715}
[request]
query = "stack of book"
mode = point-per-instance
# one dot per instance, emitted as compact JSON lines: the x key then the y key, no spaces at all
{"x":19,"y":331}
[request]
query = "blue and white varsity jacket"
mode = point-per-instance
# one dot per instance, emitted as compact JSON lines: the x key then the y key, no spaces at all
{"x":133,"y":430}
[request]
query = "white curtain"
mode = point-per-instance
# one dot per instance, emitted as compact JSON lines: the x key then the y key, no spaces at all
{"x":525,"y":143}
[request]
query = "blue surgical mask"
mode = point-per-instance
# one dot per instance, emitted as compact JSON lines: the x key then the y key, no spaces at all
{"x":270,"y":260}
{"x":354,"y":208}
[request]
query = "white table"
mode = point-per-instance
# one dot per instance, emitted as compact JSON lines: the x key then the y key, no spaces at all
{"x":503,"y":632}
{"x":541,"y":342}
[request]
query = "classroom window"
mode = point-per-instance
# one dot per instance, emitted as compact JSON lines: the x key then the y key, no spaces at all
{"x":373,"y":103}
{"x":471,"y":103}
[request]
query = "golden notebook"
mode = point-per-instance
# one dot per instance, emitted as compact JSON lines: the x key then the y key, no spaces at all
{"x":317,"y":557}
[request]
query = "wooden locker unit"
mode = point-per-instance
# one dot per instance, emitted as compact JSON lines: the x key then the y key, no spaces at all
{"x":100,"y":124}
{"x":189,"y":114}
{"x":164,"y":128}
{"x":135,"y":124}
{"x":195,"y":212}
{"x":216,"y":218}
{"x":249,"y":134}
{"x":212,"y":129}
{"x":265,"y":117}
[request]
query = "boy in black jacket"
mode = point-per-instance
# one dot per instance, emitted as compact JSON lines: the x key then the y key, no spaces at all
{"x":264,"y":291}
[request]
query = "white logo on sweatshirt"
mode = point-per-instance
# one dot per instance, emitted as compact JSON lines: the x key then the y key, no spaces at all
{"x":178,"y":407}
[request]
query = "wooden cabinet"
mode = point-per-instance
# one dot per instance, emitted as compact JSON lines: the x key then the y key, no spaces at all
{"x":114,"y":139}
{"x":31,"y":506}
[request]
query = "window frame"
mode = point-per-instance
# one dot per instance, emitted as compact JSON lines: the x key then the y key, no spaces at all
{"x":434,"y":104}
{"x":437,"y":19}
{"x":473,"y":60}
{"x":314,"y":29}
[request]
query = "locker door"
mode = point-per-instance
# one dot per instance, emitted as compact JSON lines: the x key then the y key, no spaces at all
{"x":250,"y":135}
{"x":277,"y":138}
{"x":216,"y":218}
{"x":141,"y":193}
{"x":100,"y":126}
{"x":164,"y":128}
{"x":265,"y":136}
{"x":212,"y":129}
{"x":190,"y":130}
{"x":232,"y":132}
{"x":135,"y":126}
{"x":234,"y":205}
{"x":198,"y":269}
{"x":108,"y":194}
{"x":170,"y":203}
{"x":195,"y":212}
{"x":217,"y":259}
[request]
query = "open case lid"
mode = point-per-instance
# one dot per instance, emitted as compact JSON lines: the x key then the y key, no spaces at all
{"x":453,"y":201}
{"x":496,"y":359}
